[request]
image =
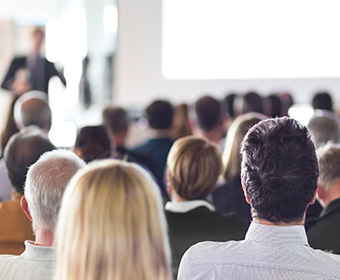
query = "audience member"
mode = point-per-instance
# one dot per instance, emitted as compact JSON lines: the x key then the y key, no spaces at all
{"x":324,"y":127}
{"x":287,"y":101}
{"x":194,"y":165}
{"x":111,"y":225}
{"x":116,"y":121}
{"x":322,"y":101}
{"x":23,"y":149}
{"x":160,"y":115}
{"x":252,"y":102}
{"x":210,"y":118}
{"x":230,"y":100}
{"x":181,"y":126}
{"x":279,"y":176}
{"x":324,"y":232}
{"x":92,"y":143}
{"x":39,"y":68}
{"x":229,"y":196}
{"x":274,"y":106}
{"x":29,"y":109}
{"x":45,"y":184}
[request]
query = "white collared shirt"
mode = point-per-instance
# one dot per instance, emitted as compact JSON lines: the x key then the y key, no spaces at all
{"x":268,"y":252}
{"x":186,"y":206}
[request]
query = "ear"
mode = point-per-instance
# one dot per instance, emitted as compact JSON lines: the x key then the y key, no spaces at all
{"x":24,"y":207}
{"x":168,"y":186}
{"x":320,"y":192}
{"x":314,"y":196}
{"x":245,"y":193}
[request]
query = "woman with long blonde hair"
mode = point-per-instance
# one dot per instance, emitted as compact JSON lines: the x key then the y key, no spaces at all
{"x":112,"y":226}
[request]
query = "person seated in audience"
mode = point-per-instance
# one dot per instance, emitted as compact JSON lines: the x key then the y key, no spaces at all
{"x":325,"y":127}
{"x":210,"y":118}
{"x":45,"y":184}
{"x":159,"y":114}
{"x":92,"y":143}
{"x":181,"y":126}
{"x":23,"y":149}
{"x":30,"y":109}
{"x":116,"y":121}
{"x":322,"y":101}
{"x":111,"y":225}
{"x":279,"y":176}
{"x":194,"y":165}
{"x":252,"y":102}
{"x":229,"y":197}
{"x":323,"y":233}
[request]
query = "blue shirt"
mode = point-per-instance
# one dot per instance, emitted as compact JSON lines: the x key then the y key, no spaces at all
{"x":268,"y":252}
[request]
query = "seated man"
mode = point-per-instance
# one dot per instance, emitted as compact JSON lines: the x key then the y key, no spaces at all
{"x":45,"y":184}
{"x":194,"y":165}
{"x":160,"y":115}
{"x":279,"y":176}
{"x":210,"y":119}
{"x":325,"y":232}
{"x":23,"y":149}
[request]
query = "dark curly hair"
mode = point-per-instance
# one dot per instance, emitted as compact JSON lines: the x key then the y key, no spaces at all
{"x":279,"y":169}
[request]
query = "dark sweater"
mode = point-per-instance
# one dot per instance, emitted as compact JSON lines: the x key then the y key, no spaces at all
{"x":200,"y":224}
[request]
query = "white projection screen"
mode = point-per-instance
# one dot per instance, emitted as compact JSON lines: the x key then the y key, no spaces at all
{"x":247,"y":39}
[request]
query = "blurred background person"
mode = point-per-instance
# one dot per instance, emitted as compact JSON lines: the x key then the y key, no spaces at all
{"x":39,"y":68}
{"x":111,"y":225}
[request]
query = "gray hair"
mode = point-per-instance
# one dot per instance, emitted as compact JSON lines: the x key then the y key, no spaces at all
{"x":324,"y":127}
{"x":32,"y":109}
{"x":45,"y":184}
{"x":329,"y":164}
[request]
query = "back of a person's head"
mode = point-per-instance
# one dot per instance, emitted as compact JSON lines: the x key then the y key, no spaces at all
{"x":229,"y":100}
{"x":92,"y":143}
{"x":275,"y":106}
{"x":194,"y":165}
{"x":160,"y":114}
{"x":23,"y":149}
{"x":322,"y":101}
{"x":112,"y":214}
{"x":329,"y":164}
{"x":181,"y":125}
{"x":208,"y":113}
{"x":252,"y":102}
{"x":45,"y":185}
{"x":324,"y":127}
{"x":32,"y":109}
{"x":115,"y":119}
{"x":279,"y":169}
{"x":231,"y":153}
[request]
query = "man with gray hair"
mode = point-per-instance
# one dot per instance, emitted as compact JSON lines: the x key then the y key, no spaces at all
{"x":325,"y":232}
{"x":45,"y":184}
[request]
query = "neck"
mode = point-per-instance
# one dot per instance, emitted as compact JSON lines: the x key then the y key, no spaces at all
{"x":43,"y":237}
{"x":268,"y":223}
{"x":214,"y":135}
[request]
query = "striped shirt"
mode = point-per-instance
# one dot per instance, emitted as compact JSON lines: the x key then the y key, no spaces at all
{"x":268,"y":252}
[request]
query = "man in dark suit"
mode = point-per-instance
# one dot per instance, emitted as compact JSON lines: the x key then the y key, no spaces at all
{"x":325,"y":232}
{"x":40,"y":70}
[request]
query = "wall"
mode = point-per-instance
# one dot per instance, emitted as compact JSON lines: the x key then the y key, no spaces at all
{"x":138,"y":77}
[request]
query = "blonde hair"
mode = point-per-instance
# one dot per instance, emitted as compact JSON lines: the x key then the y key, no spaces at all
{"x":194,"y":165}
{"x":231,"y":155}
{"x":112,"y":225}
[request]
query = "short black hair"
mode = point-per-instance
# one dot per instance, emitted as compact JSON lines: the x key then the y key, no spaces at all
{"x":23,"y":149}
{"x":208,"y":113}
{"x":323,"y":101}
{"x":160,"y":114}
{"x":279,"y":169}
{"x":252,"y":102}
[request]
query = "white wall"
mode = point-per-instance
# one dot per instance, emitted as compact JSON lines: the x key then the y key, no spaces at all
{"x":138,"y":77}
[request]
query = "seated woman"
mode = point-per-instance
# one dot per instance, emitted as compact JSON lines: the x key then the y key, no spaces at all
{"x":112,"y":226}
{"x":194,"y":165}
{"x":229,"y":196}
